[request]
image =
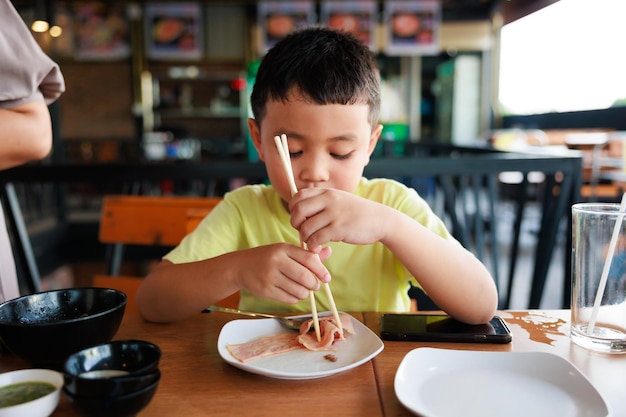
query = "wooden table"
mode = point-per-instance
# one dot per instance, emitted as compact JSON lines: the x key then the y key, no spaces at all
{"x":197,"y":382}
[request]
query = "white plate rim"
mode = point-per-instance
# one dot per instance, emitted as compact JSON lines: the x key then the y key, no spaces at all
{"x":422,"y":364}
{"x":244,"y":330}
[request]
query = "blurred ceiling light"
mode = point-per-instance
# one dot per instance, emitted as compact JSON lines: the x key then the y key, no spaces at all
{"x":40,"y":26}
{"x":56,"y":31}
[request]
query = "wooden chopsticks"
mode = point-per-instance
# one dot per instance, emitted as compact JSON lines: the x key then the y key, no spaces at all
{"x":283,"y":152}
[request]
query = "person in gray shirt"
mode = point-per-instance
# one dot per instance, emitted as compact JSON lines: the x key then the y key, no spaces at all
{"x":29,"y":82}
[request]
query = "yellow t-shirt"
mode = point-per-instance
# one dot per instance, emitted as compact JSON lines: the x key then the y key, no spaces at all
{"x":364,"y":277}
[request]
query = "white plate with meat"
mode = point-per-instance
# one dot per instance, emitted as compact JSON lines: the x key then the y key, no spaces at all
{"x":451,"y":383}
{"x":296,"y":362}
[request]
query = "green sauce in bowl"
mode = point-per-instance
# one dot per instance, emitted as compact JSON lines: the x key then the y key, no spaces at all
{"x":24,"y":392}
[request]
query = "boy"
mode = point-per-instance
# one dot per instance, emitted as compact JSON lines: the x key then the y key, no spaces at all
{"x":321,"y":88}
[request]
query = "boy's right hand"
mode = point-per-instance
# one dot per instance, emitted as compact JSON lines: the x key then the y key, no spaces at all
{"x":282,"y":272}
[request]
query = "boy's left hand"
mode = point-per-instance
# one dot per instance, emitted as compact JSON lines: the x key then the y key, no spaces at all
{"x":323,"y":215}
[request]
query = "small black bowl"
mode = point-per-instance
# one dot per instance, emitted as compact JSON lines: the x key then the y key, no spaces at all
{"x":112,"y":386}
{"x":46,"y":327}
{"x":119,"y":406}
{"x":113,"y":368}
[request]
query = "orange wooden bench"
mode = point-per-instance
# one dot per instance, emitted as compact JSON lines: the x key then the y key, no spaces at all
{"x":147,"y":221}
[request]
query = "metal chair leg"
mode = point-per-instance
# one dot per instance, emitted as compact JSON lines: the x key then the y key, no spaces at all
{"x":22,"y":249}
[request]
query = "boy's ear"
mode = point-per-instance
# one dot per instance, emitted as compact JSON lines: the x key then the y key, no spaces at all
{"x":374,"y":139}
{"x":255,"y":135}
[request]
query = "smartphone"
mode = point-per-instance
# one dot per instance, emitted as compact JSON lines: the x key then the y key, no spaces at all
{"x":442,"y":328}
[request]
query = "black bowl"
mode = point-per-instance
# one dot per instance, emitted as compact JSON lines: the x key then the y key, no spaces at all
{"x":46,"y":327}
{"x":118,"y":406}
{"x":103,"y":386}
{"x":95,"y":371}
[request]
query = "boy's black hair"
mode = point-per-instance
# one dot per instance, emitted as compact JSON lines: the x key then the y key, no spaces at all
{"x":326,"y":66}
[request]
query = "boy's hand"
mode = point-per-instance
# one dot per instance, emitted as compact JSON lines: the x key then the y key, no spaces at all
{"x":328,"y":215}
{"x":283,"y":272}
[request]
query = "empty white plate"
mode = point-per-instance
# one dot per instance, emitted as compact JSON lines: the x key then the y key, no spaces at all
{"x":451,"y":383}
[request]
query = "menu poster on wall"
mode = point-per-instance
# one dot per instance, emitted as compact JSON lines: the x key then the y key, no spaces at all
{"x":412,"y":27}
{"x":174,"y":30}
{"x":277,"y":18}
{"x":100,"y":30}
{"x":357,"y":17}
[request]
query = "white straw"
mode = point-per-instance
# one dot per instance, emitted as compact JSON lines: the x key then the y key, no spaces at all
{"x":607,"y":266}
{"x":283,"y":152}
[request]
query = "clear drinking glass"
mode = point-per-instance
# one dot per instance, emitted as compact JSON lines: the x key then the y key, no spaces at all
{"x":598,"y":320}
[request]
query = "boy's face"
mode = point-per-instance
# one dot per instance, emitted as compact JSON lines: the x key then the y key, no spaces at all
{"x":330,"y":145}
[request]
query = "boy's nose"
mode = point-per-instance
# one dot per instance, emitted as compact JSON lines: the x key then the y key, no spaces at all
{"x":314,"y":171}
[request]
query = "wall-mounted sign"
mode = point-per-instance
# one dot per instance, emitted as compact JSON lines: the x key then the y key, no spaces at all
{"x":358,"y":17}
{"x":277,"y":18}
{"x":174,"y":30}
{"x":412,"y":27}
{"x":100,"y":31}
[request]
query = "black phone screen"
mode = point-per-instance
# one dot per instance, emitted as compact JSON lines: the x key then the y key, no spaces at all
{"x":442,"y":328}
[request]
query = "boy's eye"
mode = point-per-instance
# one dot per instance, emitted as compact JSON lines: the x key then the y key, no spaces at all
{"x":296,"y":154}
{"x":341,"y":156}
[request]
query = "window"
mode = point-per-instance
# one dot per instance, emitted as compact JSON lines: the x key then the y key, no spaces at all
{"x":566,"y":57}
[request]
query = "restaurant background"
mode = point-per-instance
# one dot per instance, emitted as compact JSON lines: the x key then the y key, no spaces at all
{"x":187,"y":67}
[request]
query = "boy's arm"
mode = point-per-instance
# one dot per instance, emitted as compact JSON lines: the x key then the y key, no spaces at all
{"x":172,"y":292}
{"x":278,"y":271}
{"x":451,"y":275}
